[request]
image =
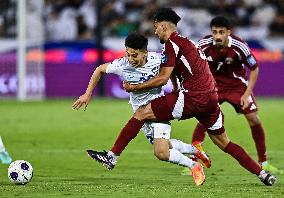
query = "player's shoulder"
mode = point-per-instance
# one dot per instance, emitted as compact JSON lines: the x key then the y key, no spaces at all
{"x":239,"y":44}
{"x":177,"y":39}
{"x":205,"y":41}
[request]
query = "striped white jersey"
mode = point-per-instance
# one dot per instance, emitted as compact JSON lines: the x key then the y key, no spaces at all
{"x":123,"y":68}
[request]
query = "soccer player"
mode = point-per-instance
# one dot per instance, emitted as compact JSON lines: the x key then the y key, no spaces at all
{"x":197,"y":98}
{"x":227,"y":55}
{"x":136,"y":67}
{"x":4,"y":155}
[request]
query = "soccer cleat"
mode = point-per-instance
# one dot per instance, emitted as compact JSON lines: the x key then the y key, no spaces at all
{"x":198,"y":174}
{"x":103,"y":158}
{"x":271,"y":169}
{"x":5,"y":157}
{"x":267,"y":178}
{"x":201,"y":154}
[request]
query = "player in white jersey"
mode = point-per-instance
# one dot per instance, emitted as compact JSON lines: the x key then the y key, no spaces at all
{"x":138,"y":66}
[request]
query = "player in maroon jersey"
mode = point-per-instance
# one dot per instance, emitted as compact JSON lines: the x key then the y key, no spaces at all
{"x":197,"y":98}
{"x":228,"y":56}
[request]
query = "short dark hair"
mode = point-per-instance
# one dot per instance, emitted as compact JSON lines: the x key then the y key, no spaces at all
{"x":220,"y":21}
{"x":136,"y":41}
{"x":166,"y":14}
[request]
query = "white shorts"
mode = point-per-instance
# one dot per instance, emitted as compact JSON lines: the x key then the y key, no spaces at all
{"x":154,"y":130}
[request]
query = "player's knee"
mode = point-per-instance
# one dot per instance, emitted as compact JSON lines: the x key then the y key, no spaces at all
{"x":162,"y":154}
{"x":253,"y":120}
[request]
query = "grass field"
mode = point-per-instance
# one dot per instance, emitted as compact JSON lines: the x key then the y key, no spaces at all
{"x":53,"y":138}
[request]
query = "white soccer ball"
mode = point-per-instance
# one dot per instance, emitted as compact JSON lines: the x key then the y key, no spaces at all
{"x":20,"y":172}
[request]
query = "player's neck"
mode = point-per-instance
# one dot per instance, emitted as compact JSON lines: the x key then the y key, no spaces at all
{"x":221,"y":47}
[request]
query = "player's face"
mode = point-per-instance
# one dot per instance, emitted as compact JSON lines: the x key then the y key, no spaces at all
{"x":136,"y":57}
{"x":220,"y":35}
{"x":160,"y":31}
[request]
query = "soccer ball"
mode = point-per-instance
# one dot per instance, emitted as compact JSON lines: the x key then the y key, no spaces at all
{"x":20,"y":172}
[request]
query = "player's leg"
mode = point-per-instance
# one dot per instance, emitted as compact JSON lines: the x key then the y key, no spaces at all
{"x":163,"y":152}
{"x":218,"y":135}
{"x":4,"y":155}
{"x":257,"y":130}
{"x":199,"y":133}
{"x":242,"y":157}
{"x":258,"y":135}
{"x":129,"y":132}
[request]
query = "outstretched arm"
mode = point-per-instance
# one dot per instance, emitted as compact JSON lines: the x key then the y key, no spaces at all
{"x":157,"y":81}
{"x":245,"y":101}
{"x":85,"y":98}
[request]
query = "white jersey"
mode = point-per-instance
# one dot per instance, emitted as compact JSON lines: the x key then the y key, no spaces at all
{"x":123,"y":68}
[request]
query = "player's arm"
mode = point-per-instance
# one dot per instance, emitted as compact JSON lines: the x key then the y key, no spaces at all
{"x":157,"y":81}
{"x":245,"y":101}
{"x":85,"y":98}
{"x":174,"y":82}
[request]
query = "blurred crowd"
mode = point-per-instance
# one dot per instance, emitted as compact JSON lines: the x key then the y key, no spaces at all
{"x":76,"y":19}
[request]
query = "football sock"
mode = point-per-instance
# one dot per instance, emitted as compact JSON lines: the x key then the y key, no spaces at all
{"x":2,"y":148}
{"x":182,"y":147}
{"x":258,"y":135}
{"x":130,"y":131}
{"x":178,"y":158}
{"x":242,"y":157}
{"x":199,"y":133}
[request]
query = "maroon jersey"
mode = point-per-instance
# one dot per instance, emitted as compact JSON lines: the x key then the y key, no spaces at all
{"x":228,"y":64}
{"x":190,"y":65}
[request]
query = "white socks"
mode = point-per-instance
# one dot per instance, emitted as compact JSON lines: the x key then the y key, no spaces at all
{"x":183,"y":147}
{"x":2,"y":148}
{"x":180,"y":159}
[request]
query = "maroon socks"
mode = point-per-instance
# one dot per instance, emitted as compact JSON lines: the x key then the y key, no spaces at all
{"x":243,"y":158}
{"x":129,"y":132}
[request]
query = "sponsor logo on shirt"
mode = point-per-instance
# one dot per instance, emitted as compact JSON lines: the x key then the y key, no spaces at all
{"x":251,"y":60}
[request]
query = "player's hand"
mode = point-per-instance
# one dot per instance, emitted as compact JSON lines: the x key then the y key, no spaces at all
{"x":81,"y":101}
{"x":128,"y":87}
{"x":245,"y":101}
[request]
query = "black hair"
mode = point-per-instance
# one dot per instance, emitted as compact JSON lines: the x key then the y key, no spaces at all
{"x":220,"y":21}
{"x":136,"y":41}
{"x":166,"y":14}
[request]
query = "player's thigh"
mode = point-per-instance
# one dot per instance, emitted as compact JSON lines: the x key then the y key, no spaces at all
{"x":164,"y":107}
{"x":145,"y":113}
{"x":212,"y":117}
{"x":234,"y":98}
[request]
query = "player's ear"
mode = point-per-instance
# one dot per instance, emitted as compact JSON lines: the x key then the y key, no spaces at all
{"x":229,"y":32}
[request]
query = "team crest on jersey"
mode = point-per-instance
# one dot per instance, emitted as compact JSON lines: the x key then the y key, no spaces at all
{"x":164,"y":58}
{"x":251,"y":60}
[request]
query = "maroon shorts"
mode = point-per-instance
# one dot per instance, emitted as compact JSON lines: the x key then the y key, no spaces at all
{"x":204,"y":107}
{"x":233,"y":96}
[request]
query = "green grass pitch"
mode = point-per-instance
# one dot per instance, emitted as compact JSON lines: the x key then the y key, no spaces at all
{"x":53,"y":138}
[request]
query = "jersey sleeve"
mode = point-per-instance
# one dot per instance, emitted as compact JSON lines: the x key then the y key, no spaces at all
{"x":168,"y":55}
{"x":248,"y":58}
{"x":116,"y":66}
